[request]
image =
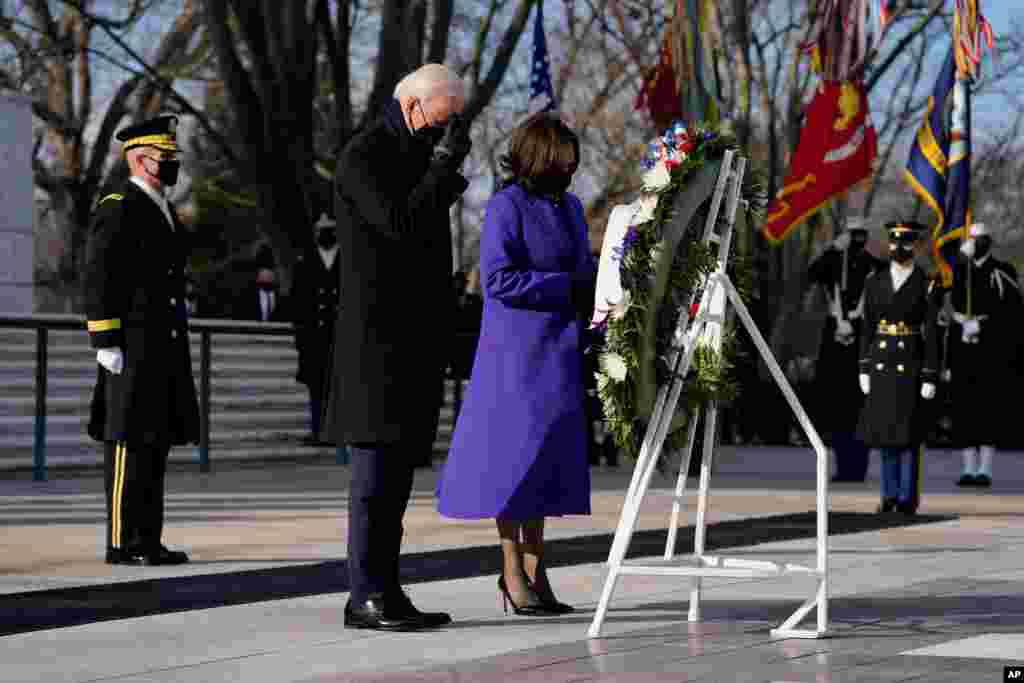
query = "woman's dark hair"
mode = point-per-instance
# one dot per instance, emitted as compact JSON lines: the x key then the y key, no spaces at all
{"x":542,"y":155}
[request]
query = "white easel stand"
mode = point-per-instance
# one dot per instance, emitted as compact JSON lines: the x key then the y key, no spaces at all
{"x":706,"y":327}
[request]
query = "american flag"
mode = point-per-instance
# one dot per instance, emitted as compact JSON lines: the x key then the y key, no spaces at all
{"x":542,"y":94}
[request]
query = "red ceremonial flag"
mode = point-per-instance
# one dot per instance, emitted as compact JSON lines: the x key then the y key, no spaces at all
{"x":659,"y":94}
{"x":836,"y":151}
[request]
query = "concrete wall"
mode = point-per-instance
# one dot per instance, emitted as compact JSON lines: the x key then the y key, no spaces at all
{"x":17,"y":205}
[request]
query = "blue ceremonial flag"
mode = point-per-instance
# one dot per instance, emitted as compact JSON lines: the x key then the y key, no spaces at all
{"x":958,"y":189}
{"x":935,"y":161}
{"x":542,"y":94}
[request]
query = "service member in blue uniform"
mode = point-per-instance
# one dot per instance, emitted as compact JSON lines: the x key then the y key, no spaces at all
{"x":841,"y":271}
{"x":315,"y":309}
{"x":898,"y":361}
{"x":986,"y":311}
{"x":145,"y":399}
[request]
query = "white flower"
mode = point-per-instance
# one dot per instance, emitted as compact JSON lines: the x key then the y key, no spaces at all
{"x":648,"y":203}
{"x":614,"y":366}
{"x":655,"y":252}
{"x":657,"y":178}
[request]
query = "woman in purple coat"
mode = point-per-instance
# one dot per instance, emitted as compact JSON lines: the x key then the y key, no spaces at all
{"x":519,"y":452}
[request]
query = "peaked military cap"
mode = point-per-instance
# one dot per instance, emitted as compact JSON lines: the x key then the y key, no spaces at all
{"x":905,"y":231}
{"x":160,"y":132}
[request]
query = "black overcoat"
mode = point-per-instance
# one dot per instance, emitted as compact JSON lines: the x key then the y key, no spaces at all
{"x":838,"y":398}
{"x":983,"y":378}
{"x":392,"y":335}
{"x":135,"y":299}
{"x":894,"y":414}
{"x":315,"y":312}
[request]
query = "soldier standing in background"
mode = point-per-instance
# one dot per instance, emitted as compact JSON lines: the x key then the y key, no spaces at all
{"x":986,"y":304}
{"x":898,"y":367}
{"x":145,"y":398}
{"x":841,"y":272}
{"x":315,"y":293}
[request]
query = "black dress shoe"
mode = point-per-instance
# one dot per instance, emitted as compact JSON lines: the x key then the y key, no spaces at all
{"x":122,"y":556}
{"x":887,"y":506}
{"x":967,"y":480}
{"x":982,"y":480}
{"x":380,"y":614}
{"x":162,"y":556}
{"x":429,"y":619}
{"x":908,"y":509}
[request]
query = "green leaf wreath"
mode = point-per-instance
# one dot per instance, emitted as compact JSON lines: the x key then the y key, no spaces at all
{"x":633,"y":361}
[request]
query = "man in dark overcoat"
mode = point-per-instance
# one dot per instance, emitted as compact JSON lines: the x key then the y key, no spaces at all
{"x":394,"y":187}
{"x":986,"y":311}
{"x":315,"y":297}
{"x":145,"y":399}
{"x":841,"y":271}
{"x":898,"y":367}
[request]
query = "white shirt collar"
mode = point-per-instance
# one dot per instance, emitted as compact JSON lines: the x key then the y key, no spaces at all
{"x":981,"y":261}
{"x":900,"y":273}
{"x":328,"y":256}
{"x":160,"y":200}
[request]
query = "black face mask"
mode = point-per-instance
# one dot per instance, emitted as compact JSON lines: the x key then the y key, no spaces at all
{"x":167,"y":171}
{"x":552,"y":184}
{"x":326,"y":238}
{"x":901,"y":253}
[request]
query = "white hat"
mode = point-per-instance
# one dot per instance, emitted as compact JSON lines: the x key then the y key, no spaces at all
{"x":978,"y":229}
{"x":325,"y":222}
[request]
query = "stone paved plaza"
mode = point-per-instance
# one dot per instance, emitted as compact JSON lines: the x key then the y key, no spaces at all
{"x":941,"y":599}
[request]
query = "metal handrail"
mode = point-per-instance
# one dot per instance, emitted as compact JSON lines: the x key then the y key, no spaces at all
{"x":206,"y":327}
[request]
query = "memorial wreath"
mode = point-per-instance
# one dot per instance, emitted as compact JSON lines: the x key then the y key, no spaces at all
{"x":660,"y":264}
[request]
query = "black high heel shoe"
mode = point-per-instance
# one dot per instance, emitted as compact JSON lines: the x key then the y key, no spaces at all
{"x":534,"y":609}
{"x":551,"y":602}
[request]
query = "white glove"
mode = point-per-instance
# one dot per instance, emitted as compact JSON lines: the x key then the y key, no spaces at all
{"x":967,"y":248}
{"x":947,"y":375}
{"x":927,"y":391}
{"x":865,"y":383}
{"x":111,"y":359}
{"x":972,"y":328}
{"x":842,"y":243}
{"x":844,"y":331}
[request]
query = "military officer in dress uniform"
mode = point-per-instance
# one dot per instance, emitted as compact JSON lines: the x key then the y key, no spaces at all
{"x":841,"y":272}
{"x":898,"y":361}
{"x":315,"y":293}
{"x":986,"y":310}
{"x":145,"y":399}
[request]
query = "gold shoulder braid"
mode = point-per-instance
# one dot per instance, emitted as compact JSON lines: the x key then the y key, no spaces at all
{"x":113,"y":195}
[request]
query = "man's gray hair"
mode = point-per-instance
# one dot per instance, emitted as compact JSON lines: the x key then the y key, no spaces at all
{"x":430,"y":80}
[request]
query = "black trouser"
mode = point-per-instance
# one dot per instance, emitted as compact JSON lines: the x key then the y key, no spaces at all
{"x":134,"y":482}
{"x":382,"y":475}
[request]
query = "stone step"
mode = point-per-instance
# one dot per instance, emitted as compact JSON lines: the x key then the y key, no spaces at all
{"x":27,"y":355}
{"x":85,"y":368}
{"x":88,"y":453}
{"x":13,"y":425}
{"x":234,"y":384}
{"x":79,"y":403}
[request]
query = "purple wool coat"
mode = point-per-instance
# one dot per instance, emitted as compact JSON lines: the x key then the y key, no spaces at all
{"x":519,"y":450}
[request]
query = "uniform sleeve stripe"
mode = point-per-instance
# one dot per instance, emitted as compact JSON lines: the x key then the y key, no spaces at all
{"x":114,"y":195}
{"x":104,"y":325}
